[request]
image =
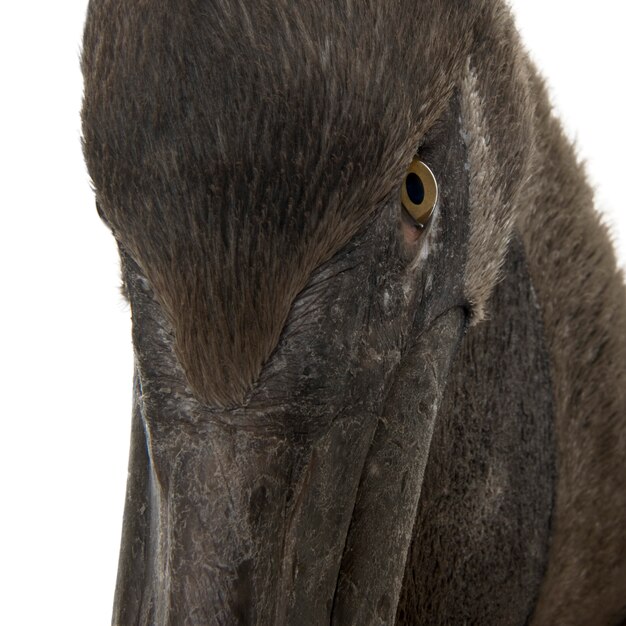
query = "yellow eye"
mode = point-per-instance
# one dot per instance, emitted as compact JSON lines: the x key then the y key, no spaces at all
{"x":419,"y":192}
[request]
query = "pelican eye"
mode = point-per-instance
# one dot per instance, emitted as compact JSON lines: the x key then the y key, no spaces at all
{"x":419,"y":192}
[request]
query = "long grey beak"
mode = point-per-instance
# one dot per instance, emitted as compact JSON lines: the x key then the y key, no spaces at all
{"x":247,"y":526}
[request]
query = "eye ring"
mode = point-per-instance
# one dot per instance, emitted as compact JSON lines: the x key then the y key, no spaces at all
{"x":419,"y":192}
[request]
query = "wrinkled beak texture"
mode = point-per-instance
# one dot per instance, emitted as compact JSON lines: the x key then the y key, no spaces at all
{"x":372,"y":566}
{"x":253,"y":528}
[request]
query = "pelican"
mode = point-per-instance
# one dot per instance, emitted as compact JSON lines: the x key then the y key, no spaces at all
{"x":379,"y":331}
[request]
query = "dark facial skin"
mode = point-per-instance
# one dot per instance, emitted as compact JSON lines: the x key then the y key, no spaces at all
{"x":280,"y":511}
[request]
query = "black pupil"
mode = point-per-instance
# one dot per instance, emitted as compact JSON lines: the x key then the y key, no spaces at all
{"x":415,"y":188}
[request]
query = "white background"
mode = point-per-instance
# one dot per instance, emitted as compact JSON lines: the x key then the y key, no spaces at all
{"x":65,"y":355}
